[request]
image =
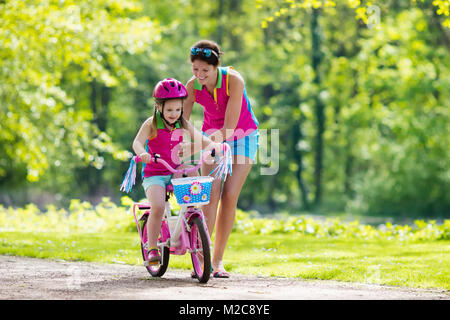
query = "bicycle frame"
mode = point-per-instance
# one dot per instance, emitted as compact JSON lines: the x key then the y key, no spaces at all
{"x":189,"y":232}
{"x":177,"y":239}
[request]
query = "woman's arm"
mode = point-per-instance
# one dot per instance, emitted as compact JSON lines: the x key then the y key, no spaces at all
{"x":141,"y":139}
{"x":189,"y":101}
{"x":236,"y":83}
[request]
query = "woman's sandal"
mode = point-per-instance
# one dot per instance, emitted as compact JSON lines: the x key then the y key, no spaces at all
{"x":221,"y":274}
{"x":194,"y":275}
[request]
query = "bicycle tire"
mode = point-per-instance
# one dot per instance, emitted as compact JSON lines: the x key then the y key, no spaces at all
{"x":159,"y":269}
{"x":197,"y":237}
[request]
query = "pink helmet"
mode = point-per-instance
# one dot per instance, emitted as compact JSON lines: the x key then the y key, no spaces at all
{"x":169,"y":88}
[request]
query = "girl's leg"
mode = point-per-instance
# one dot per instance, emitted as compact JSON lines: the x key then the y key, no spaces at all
{"x":210,"y":210}
{"x":227,"y":211}
{"x":156,"y":195}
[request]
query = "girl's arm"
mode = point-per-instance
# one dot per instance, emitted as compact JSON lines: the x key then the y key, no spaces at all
{"x":189,"y":101}
{"x":141,"y":139}
{"x":236,"y":83}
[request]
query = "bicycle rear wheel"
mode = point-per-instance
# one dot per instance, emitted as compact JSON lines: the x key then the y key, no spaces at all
{"x":200,"y":253}
{"x":156,"y":270}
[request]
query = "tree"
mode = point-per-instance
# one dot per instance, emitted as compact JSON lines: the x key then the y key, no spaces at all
{"x":51,"y":51}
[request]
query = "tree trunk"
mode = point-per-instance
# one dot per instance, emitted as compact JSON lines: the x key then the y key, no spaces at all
{"x":102,"y":119}
{"x":298,"y":156}
{"x":349,"y":159}
{"x":99,"y":100}
{"x":319,"y":111}
{"x":220,"y":27}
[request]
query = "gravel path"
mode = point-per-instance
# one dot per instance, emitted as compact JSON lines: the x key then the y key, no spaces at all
{"x":30,"y":278}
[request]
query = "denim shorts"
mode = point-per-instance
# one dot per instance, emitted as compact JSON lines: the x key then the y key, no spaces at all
{"x":246,"y":146}
{"x":162,"y":181}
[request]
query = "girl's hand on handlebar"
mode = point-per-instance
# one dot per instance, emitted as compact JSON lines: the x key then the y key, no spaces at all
{"x":145,"y":157}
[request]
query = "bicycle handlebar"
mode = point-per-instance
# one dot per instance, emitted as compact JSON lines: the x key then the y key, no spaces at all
{"x":223,"y":169}
{"x":155,"y":158}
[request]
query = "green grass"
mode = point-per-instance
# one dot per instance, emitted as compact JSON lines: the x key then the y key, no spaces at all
{"x":424,"y":264}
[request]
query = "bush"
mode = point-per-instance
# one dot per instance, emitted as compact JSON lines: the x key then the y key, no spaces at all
{"x":109,"y":217}
{"x":81,"y":217}
{"x":335,"y":228}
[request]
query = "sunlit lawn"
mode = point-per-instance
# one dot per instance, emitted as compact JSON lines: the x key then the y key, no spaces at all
{"x":424,"y":264}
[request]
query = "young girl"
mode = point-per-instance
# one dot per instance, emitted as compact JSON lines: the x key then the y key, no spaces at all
{"x":163,"y":134}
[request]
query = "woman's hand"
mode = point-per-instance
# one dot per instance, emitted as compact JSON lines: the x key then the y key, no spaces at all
{"x":145,"y":157}
{"x":219,"y":152}
{"x":218,"y":147}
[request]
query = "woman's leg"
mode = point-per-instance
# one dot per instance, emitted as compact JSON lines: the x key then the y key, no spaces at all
{"x":227,"y":211}
{"x":156,"y":195}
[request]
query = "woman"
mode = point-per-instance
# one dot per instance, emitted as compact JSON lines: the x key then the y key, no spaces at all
{"x":227,"y":117}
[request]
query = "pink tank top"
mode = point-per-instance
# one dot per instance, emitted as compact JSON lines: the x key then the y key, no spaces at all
{"x":215,"y":107}
{"x":165,"y":144}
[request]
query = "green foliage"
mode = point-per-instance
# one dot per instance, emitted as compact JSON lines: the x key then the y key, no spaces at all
{"x":362,"y":8}
{"x":404,"y":132}
{"x":77,"y":80}
{"x":109,"y":217}
{"x":81,"y":217}
{"x":336,"y":229}
{"x":50,"y":52}
{"x":386,"y":115}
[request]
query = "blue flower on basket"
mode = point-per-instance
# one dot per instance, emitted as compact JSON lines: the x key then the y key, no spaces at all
{"x":204,"y":197}
{"x":195,"y":188}
{"x":186,"y":198}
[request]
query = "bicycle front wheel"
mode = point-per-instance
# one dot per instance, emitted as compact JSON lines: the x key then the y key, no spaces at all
{"x":200,"y":253}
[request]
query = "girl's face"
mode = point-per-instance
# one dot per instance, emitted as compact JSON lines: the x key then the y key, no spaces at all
{"x":172,"y":110}
{"x":205,"y":73}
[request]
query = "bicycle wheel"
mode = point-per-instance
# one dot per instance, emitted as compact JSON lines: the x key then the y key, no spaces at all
{"x":156,"y":270}
{"x":200,"y":253}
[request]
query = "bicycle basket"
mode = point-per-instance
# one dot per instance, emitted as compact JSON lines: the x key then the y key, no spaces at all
{"x":192,"y":190}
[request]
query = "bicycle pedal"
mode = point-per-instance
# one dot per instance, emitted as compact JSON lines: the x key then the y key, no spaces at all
{"x":150,"y":263}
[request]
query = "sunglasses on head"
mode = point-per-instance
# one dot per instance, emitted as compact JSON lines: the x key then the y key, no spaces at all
{"x":206,"y":52}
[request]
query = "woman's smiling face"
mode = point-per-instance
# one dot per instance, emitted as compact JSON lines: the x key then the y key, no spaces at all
{"x":205,"y":73}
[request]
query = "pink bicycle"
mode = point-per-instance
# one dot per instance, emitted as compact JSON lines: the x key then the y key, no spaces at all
{"x":187,"y":230}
